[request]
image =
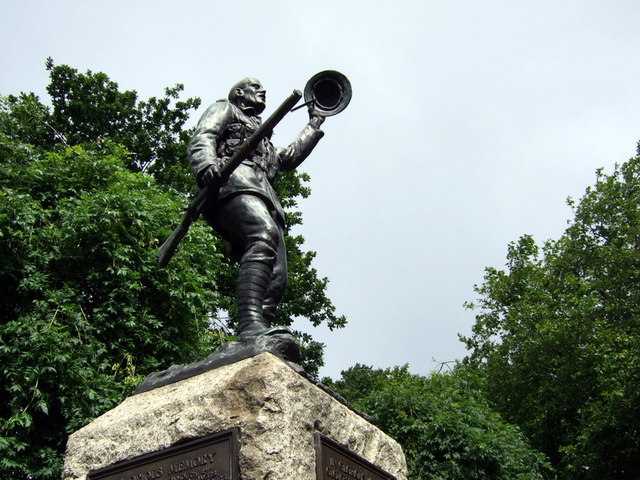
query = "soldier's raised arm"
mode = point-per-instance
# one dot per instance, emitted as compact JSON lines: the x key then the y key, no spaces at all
{"x":298,"y":150}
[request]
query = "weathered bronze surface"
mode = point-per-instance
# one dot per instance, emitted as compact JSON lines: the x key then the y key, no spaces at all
{"x":335,"y":462}
{"x":244,"y":208}
{"x":327,"y":93}
{"x":237,"y":166}
{"x":214,"y":457}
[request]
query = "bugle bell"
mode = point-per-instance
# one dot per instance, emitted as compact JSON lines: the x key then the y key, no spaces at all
{"x":328,"y":93}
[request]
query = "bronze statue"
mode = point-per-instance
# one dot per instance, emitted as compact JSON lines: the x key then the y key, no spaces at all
{"x":244,"y":209}
{"x":235,"y":165}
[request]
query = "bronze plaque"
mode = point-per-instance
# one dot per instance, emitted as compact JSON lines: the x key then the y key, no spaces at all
{"x":214,"y":457}
{"x":335,"y":462}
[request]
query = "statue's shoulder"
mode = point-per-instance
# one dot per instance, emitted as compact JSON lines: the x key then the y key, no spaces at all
{"x":217,"y":114}
{"x":220,"y":107}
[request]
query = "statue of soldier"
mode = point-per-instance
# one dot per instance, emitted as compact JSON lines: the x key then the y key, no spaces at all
{"x":245,"y":210}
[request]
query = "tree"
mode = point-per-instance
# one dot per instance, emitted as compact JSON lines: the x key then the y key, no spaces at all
{"x":85,"y":311}
{"x":443,"y":423}
{"x":557,"y":334}
{"x":89,"y":106}
{"x":86,"y":190}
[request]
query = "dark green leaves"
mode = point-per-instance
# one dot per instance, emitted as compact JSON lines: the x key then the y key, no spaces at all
{"x":557,"y":334}
{"x":444,"y":424}
{"x":85,"y":311}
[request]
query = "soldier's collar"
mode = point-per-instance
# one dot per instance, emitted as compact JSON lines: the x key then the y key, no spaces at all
{"x":248,"y":111}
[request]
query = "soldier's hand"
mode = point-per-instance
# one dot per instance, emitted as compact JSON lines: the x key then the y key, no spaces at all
{"x":315,"y":120}
{"x":212,"y":176}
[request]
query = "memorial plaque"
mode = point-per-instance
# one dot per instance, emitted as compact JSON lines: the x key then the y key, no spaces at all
{"x":335,"y":462}
{"x":214,"y":457}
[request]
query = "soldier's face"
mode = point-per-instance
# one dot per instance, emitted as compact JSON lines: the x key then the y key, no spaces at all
{"x":254,"y":95}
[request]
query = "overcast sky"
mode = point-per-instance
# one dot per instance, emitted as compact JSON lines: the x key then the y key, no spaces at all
{"x":471,"y":123}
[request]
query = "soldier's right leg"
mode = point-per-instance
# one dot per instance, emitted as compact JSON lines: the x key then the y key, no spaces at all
{"x":246,"y":222}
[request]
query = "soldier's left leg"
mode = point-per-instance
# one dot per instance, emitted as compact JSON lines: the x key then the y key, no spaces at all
{"x":278,"y":282}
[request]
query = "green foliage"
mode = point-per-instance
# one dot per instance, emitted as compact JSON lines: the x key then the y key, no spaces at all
{"x":443,"y":423}
{"x":85,"y":313}
{"x":557,"y":334}
{"x":88,"y":107}
{"x":305,"y":296}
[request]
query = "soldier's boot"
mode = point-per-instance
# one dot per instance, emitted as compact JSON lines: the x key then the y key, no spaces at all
{"x":269,"y":315}
{"x":253,"y":281}
{"x":288,"y":346}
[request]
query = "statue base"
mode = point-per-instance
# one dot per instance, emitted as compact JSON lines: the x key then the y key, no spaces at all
{"x":284,"y":346}
{"x":279,"y":417}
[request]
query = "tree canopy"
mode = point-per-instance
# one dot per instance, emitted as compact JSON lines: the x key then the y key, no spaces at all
{"x":557,"y":334}
{"x":88,"y":190}
{"x":444,"y":424}
{"x":85,"y":311}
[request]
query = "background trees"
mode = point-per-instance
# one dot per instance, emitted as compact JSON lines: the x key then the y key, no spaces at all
{"x":555,"y":350}
{"x":446,"y":427}
{"x":557,"y":335}
{"x":89,"y":188}
{"x":84,"y":310}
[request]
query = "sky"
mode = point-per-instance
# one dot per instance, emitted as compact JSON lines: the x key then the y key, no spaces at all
{"x":470,"y":125}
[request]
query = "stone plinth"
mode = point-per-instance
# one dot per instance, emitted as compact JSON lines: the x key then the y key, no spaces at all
{"x":276,"y":410}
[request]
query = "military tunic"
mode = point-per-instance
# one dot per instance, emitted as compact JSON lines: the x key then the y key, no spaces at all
{"x":222,"y":129}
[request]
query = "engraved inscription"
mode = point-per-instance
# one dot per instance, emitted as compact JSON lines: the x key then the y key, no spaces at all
{"x":209,"y":458}
{"x":335,"y":462}
{"x":341,"y":471}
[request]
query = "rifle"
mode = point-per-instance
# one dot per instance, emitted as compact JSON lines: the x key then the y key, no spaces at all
{"x":194,"y":209}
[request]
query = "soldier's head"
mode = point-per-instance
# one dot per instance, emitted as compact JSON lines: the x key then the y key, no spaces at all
{"x":249,"y":93}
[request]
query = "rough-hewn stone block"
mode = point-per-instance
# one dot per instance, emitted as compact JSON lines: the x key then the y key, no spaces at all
{"x":276,"y":409}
